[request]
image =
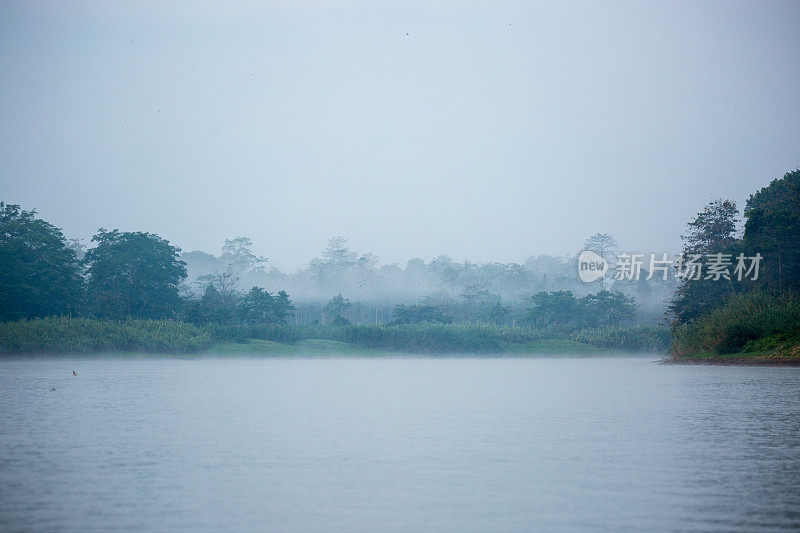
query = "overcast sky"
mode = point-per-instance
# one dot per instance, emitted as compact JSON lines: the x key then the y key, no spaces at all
{"x":488,"y":131}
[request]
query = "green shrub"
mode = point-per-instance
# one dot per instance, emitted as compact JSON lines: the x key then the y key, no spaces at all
{"x":739,"y":325}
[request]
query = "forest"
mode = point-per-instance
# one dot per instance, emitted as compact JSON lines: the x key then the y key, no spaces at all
{"x":160,"y":298}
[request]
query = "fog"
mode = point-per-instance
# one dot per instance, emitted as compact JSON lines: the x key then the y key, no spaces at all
{"x":468,"y":291}
{"x":487,"y":132}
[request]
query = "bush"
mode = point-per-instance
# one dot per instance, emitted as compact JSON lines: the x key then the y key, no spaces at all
{"x":739,"y":325}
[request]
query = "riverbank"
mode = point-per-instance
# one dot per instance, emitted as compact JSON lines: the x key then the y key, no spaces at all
{"x":323,"y":347}
{"x":786,"y":353}
{"x":63,"y":335}
{"x":749,"y":329}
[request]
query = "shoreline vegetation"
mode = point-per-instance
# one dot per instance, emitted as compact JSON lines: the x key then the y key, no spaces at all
{"x":64,"y":335}
{"x":135,"y":292}
{"x":736,"y":319}
{"x":750,"y":328}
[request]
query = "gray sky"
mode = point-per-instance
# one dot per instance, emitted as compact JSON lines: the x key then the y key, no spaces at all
{"x":488,"y":131}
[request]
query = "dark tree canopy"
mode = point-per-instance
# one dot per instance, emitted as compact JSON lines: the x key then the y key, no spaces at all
{"x":260,"y":307}
{"x":334,"y":310}
{"x":256,"y":306}
{"x":39,"y":273}
{"x":712,"y":231}
{"x":133,"y":274}
{"x":773,"y":230}
{"x":552,"y":309}
{"x":606,"y":308}
{"x":213,"y":307}
{"x":562,"y":311}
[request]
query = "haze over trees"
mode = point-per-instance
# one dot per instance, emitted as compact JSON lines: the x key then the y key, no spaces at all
{"x":497,"y":293}
{"x":440,"y":304}
{"x":141,"y":275}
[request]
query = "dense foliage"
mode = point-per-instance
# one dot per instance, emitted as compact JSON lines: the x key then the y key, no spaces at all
{"x":136,"y":275}
{"x":562,"y":311}
{"x":464,"y":291}
{"x":712,"y":231}
{"x":773,"y":229}
{"x":733,"y":316}
{"x":39,"y":273}
{"x":133,"y":274}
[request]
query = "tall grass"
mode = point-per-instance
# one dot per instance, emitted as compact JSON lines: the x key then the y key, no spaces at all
{"x":84,"y":335}
{"x":632,"y":339}
{"x":446,"y":338}
{"x":406,"y":337}
{"x":741,"y":322}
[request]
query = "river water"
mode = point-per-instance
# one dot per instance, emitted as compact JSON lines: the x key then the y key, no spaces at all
{"x":396,"y":444}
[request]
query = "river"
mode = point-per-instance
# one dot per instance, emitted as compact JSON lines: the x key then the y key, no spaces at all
{"x":396,"y":444}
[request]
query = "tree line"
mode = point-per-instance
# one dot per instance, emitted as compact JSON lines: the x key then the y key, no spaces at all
{"x":141,"y":275}
{"x":125,"y":275}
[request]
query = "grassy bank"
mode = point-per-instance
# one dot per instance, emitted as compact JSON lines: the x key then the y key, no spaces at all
{"x":755,"y":327}
{"x":323,"y":347}
{"x":83,"y":335}
{"x":455,"y":338}
{"x":80,"y":335}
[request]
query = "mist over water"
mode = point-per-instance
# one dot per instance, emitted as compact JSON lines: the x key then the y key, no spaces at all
{"x":458,"y":444}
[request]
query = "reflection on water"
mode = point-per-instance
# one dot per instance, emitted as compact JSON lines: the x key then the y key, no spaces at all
{"x":397,"y":444}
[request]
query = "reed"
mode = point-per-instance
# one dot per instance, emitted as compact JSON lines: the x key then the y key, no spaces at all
{"x":84,"y":335}
{"x":655,"y":339}
{"x":446,"y":338}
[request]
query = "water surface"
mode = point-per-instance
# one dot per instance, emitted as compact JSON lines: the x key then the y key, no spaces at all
{"x":375,"y":444}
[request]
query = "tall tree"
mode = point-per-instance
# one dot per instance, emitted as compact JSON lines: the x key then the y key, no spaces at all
{"x":773,"y":230}
{"x":713,"y":231}
{"x":257,"y":306}
{"x":238,"y":254}
{"x":606,"y":308}
{"x":553,"y":309}
{"x":213,"y":307}
{"x":282,"y":307}
{"x":334,"y":310}
{"x":604,"y":245}
{"x":134,"y":274}
{"x":39,"y":272}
